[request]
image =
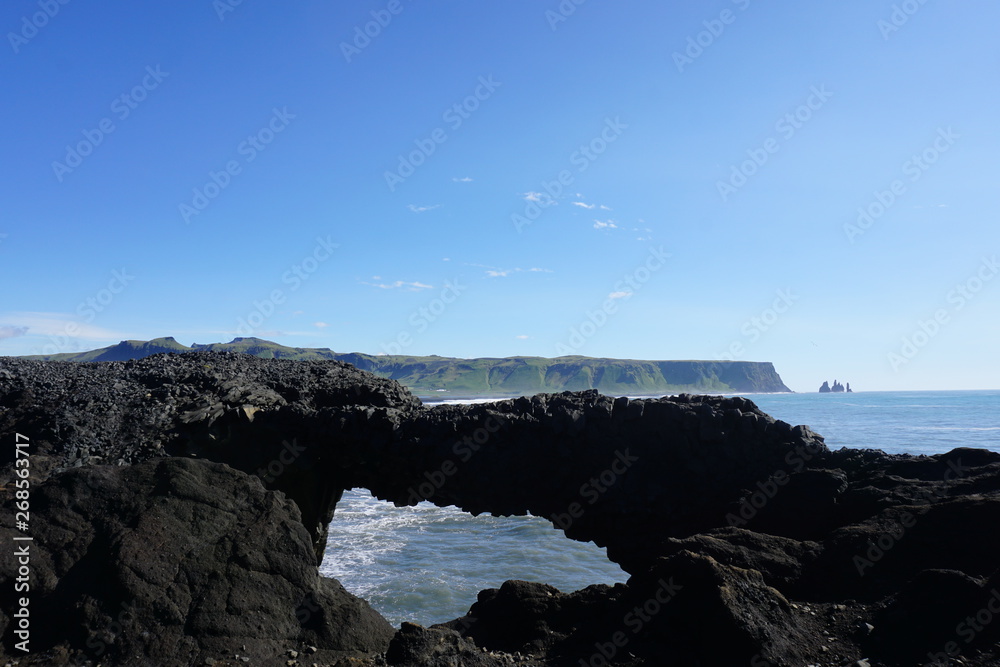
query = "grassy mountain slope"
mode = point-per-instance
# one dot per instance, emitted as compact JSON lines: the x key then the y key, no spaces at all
{"x":493,"y":376}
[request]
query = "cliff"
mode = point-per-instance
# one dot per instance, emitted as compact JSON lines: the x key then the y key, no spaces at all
{"x":179,"y":506}
{"x":491,"y":376}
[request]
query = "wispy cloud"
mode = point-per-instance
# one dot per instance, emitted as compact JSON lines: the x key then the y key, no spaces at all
{"x":538,"y":196}
{"x":408,"y":286}
{"x":320,"y":325}
{"x":421,"y":209}
{"x":464,"y":179}
{"x":522,"y":337}
{"x":607,"y":224}
{"x":583,"y":204}
{"x":57,"y":324}
{"x":497,"y":272}
{"x":7,"y":331}
{"x":619,"y":295}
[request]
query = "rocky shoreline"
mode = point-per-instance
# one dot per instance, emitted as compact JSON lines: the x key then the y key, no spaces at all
{"x":179,"y":505}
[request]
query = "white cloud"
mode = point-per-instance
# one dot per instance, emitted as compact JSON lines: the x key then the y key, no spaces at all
{"x":320,"y":325}
{"x":421,"y":209}
{"x":609,"y":224}
{"x":58,"y":324}
{"x":522,"y":337}
{"x":409,"y":286}
{"x":533,"y":196}
{"x":619,"y":295}
{"x":495,"y":272}
{"x":464,"y":179}
{"x":583,"y":205}
{"x":605,"y":208}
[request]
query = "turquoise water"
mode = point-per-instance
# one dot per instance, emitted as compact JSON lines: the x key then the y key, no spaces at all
{"x":426,"y":564}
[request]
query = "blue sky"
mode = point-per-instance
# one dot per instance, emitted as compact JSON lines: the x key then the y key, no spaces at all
{"x":812,"y":184}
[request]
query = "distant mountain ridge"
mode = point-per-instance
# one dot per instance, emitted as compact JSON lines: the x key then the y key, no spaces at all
{"x":444,"y":376}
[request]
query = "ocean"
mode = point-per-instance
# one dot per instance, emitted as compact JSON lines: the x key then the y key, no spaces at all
{"x":426,"y":564}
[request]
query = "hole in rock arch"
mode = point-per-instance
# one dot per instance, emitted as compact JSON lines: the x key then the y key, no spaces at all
{"x":426,"y":564}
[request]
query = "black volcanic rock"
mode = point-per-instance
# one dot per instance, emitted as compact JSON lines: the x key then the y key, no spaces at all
{"x":260,"y":416}
{"x":747,"y":540}
{"x":622,"y":473}
{"x":174,"y":561}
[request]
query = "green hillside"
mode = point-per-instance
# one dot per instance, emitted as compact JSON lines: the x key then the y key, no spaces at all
{"x":434,"y":375}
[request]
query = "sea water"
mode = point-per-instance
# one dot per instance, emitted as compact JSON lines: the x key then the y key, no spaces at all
{"x":426,"y":564}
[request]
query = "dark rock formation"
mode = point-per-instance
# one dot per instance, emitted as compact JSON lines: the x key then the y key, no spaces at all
{"x":175,"y":561}
{"x":836,"y":388}
{"x":748,"y":542}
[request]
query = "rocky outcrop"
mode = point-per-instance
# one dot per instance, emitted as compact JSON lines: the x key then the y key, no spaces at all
{"x":837,"y":388}
{"x":198,"y":486}
{"x":177,"y":562}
